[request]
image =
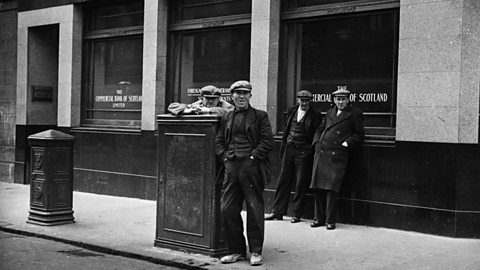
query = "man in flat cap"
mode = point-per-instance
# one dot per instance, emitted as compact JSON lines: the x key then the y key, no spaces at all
{"x":244,"y":141}
{"x":340,"y":131}
{"x":296,"y":153}
{"x":209,"y":103}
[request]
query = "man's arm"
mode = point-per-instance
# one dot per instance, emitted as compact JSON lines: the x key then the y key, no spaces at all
{"x":320,"y":128}
{"x":358,"y":131}
{"x":220,"y":138}
{"x":214,"y":110}
{"x":265,"y":142}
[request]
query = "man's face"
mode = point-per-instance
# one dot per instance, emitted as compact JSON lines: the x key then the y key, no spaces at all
{"x":210,"y":102}
{"x":341,"y":102}
{"x":304,"y":103}
{"x":241,"y":99}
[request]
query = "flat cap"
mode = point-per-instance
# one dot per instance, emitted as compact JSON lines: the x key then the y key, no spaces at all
{"x":210,"y":91}
{"x":341,"y":91}
{"x":241,"y":86}
{"x":304,"y":94}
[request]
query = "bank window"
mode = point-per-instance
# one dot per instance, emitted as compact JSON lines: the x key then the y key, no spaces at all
{"x":112,"y":95}
{"x":212,"y":51}
{"x":354,"y":51}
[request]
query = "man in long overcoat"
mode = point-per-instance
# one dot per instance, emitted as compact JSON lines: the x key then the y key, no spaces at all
{"x":341,"y":130}
{"x":296,"y":154}
{"x":244,"y":141}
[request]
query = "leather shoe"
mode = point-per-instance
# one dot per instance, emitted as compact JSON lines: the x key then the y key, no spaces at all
{"x":295,"y":220}
{"x":274,"y":216}
{"x":232,"y":258}
{"x":256,"y":259}
{"x":330,"y":226}
{"x":316,"y":223}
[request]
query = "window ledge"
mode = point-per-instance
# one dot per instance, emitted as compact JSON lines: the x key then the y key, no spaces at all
{"x":107,"y":129}
{"x":379,"y":140}
{"x":370,"y":140}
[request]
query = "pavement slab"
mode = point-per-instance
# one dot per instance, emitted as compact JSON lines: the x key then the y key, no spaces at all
{"x":126,"y":226}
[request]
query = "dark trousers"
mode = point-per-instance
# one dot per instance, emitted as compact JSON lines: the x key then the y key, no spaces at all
{"x":242,"y":182}
{"x":325,"y":205}
{"x":296,"y":170}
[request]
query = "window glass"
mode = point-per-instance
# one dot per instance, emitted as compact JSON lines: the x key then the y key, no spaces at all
{"x":356,"y":52}
{"x":198,"y":9}
{"x":215,"y":57}
{"x":113,"y":67}
{"x":118,"y":16}
{"x":116,"y":79}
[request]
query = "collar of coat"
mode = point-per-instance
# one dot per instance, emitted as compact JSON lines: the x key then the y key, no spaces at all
{"x":333,"y":118}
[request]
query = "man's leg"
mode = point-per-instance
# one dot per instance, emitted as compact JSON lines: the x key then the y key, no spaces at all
{"x":231,"y":205}
{"x":331,"y":208}
{"x":319,"y":212}
{"x":252,"y":186}
{"x":303,"y":173}
{"x":284,"y":185}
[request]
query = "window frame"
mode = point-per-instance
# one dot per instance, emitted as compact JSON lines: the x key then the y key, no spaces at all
{"x":290,"y":58}
{"x":90,"y":38}
{"x":178,"y":28}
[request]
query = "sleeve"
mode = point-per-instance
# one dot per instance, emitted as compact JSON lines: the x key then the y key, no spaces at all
{"x":318,"y":120}
{"x":220,"y":138}
{"x":320,"y":128}
{"x":176,"y":108}
{"x":358,"y":130}
{"x":218,"y":110}
{"x":265,"y":142}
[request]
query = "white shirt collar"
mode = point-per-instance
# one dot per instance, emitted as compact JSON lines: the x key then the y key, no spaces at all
{"x":300,"y":114}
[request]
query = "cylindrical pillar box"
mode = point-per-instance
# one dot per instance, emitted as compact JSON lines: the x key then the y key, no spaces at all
{"x":51,"y":183}
{"x":188,"y":203}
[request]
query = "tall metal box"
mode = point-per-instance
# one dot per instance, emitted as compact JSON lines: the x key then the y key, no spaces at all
{"x":188,"y":203}
{"x":51,"y":183}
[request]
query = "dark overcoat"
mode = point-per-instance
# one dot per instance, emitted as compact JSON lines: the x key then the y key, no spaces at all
{"x":331,"y":158}
{"x":312,"y":120}
{"x":259,"y":134}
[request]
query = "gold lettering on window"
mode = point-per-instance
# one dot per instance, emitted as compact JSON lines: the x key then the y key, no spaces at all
{"x":342,"y":10}
{"x":213,"y":24}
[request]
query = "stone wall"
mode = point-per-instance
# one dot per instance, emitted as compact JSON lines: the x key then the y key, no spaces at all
{"x":8,"y":60}
{"x":438,"y":71}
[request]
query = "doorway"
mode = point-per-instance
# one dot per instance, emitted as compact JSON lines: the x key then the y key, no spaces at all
{"x":42,"y":85}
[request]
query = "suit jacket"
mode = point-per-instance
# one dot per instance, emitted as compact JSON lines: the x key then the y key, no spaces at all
{"x":259,"y":134}
{"x":331,"y":157}
{"x":311,"y":120}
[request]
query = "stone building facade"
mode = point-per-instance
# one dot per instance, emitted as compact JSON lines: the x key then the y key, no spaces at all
{"x":102,"y":71}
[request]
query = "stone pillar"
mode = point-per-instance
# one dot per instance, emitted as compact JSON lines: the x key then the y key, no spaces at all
{"x":438,"y":71}
{"x":265,"y":55}
{"x":154,"y":61}
{"x":470,"y":73}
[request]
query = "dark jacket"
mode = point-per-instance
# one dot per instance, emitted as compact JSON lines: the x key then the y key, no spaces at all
{"x":259,"y":134}
{"x":311,"y":119}
{"x":331,"y":157}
